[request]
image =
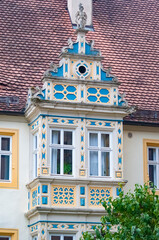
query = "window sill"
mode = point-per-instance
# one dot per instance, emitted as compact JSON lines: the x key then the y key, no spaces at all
{"x":62,"y":175}
{"x":91,"y":176}
{"x":5,"y":181}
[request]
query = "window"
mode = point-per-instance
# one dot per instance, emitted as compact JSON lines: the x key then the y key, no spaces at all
{"x":9,"y":149}
{"x":153,"y":165}
{"x":5,"y":158}
{"x":151,"y":161}
{"x":35,"y":156}
{"x":62,"y":237}
{"x":99,"y":151}
{"x":62,"y":151}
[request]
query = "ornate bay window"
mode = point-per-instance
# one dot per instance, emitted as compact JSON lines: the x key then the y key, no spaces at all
{"x":81,"y":135}
{"x":62,"y":146}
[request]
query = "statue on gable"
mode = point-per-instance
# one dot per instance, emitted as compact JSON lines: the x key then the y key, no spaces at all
{"x":81,"y":17}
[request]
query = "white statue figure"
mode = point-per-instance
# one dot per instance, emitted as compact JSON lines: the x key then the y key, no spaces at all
{"x":81,"y":17}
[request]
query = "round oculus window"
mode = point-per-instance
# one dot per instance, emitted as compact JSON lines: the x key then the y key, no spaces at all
{"x":82,"y":69}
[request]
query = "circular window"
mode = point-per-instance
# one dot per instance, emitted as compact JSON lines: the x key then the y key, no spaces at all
{"x":82,"y":69}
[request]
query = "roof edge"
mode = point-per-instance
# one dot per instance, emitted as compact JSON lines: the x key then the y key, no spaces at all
{"x":140,"y":123}
{"x":10,"y":113}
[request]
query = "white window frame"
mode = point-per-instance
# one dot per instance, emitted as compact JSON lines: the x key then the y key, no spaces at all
{"x":62,"y":147}
{"x":2,"y":152}
{"x":154,"y":163}
{"x":100,"y":149}
{"x":35,"y":154}
{"x":63,"y":235}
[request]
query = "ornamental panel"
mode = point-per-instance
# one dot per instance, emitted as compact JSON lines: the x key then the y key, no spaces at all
{"x":34,"y":197}
{"x":43,"y":141}
{"x":120,"y":145}
{"x":98,"y":193}
{"x":63,"y":196}
{"x":62,"y":120}
{"x":63,"y":92}
{"x":98,"y":95}
{"x":99,"y":123}
{"x":63,"y":226}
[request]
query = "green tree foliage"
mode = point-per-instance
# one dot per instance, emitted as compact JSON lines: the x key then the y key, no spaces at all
{"x":131,"y":216}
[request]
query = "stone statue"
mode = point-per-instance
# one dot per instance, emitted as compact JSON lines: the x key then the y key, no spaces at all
{"x":53,"y":68}
{"x":81,"y":17}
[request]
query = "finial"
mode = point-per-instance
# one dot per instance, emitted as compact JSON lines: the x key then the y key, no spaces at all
{"x":81,"y":17}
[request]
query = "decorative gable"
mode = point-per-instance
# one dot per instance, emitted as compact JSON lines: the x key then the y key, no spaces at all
{"x":80,"y":77}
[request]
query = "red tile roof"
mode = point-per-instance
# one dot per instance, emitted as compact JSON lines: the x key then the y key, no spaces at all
{"x":32,"y":34}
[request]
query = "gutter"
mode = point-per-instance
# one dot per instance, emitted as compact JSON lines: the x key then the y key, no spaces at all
{"x":140,"y":123}
{"x":9,"y":113}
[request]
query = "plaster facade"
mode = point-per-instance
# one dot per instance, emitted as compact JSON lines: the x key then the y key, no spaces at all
{"x":135,"y":154}
{"x":13,"y":202}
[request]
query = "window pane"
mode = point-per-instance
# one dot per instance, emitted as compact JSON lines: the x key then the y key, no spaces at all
{"x":93,"y":163}
{"x":105,"y":140}
{"x":55,"y":163}
{"x":152,"y":174}
{"x":93,"y":139}
{"x":68,"y":162}
{"x":68,"y":238}
{"x":5,"y":167}
{"x":105,"y":164}
{"x":35,"y":166}
{"x":55,"y":137}
{"x":67,"y":138}
{"x":55,"y":237}
{"x":4,"y":238}
{"x":5,"y":144}
{"x":152,"y":154}
{"x":35,"y":142}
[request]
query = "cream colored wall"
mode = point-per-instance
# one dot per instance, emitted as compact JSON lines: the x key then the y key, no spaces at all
{"x":133,"y":152}
{"x":13,"y":202}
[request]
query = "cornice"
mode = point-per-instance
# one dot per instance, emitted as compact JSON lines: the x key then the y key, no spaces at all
{"x":66,"y":211}
{"x":38,"y":105}
{"x":85,"y":82}
{"x":71,"y":180}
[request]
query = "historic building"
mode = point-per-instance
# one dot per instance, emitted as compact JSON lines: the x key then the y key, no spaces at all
{"x":74,"y":137}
